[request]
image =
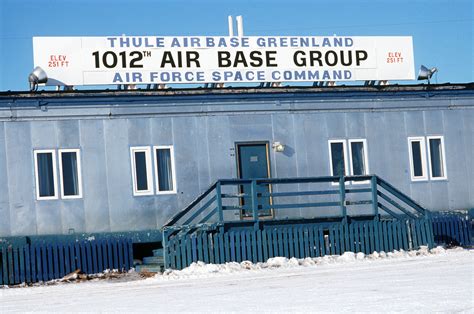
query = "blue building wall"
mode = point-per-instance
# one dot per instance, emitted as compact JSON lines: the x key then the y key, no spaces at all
{"x":203,"y":127}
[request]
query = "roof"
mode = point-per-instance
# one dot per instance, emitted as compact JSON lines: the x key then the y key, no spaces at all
{"x":327,"y":90}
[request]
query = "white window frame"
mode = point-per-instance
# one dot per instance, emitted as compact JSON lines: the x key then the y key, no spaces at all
{"x":157,"y":186}
{"x":366,"y":158}
{"x":149,"y":172}
{"x":346,"y":160}
{"x":53,"y":152}
{"x":79,"y":172}
{"x":422,"y":141}
{"x":443,"y":157}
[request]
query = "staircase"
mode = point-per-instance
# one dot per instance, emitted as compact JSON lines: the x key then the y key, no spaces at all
{"x":152,"y":264}
{"x":227,"y":223}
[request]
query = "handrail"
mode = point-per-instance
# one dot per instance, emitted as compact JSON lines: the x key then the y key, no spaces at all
{"x":183,"y":212}
{"x":213,"y":208}
{"x":400,"y":195}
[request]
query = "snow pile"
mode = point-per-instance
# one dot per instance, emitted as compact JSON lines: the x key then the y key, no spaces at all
{"x":201,"y":269}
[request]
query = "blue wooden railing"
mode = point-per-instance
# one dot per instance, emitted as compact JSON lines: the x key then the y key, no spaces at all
{"x":249,"y":198}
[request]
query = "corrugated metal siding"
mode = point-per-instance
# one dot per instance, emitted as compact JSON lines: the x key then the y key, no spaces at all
{"x":203,"y":131}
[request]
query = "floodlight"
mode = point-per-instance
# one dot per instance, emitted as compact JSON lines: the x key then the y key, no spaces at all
{"x":425,"y":73}
{"x":38,"y":76}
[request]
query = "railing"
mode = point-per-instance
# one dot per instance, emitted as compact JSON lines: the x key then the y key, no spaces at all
{"x":37,"y":262}
{"x":257,"y":200}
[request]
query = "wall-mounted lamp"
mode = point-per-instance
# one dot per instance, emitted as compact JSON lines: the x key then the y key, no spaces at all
{"x":278,"y":147}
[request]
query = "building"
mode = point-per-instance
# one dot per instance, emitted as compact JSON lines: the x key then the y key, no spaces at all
{"x":126,"y":161}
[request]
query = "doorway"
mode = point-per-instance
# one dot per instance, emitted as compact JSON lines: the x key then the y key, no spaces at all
{"x":253,"y":162}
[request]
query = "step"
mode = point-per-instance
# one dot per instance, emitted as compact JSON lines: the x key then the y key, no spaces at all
{"x":158,"y":252}
{"x":153,"y":260}
{"x":149,"y":268}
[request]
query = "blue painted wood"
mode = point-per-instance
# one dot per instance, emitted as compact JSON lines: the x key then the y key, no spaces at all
{"x":95,"y":257}
{"x":238,"y":249}
{"x":272,"y":239}
{"x":26,"y":252}
{"x":233,"y":255}
{"x":385,"y":236}
{"x":3,"y":265}
{"x":366,"y":238}
{"x":293,"y":242}
{"x":259,"y":254}
{"x":306,"y":245}
{"x":265,"y":245}
{"x":243,"y":245}
{"x":100,"y":258}
{"x":33,"y":263}
{"x":284,"y":241}
{"x":322,"y":242}
{"x":105,"y":254}
{"x":54,"y":248}
{"x":390,"y":236}
{"x":21,"y":256}
{"x":50,"y":263}
{"x":44,"y":262}
{"x":248,"y":239}
{"x":16,"y":266}
{"x":217,"y":257}
{"x":205,"y":247}
{"x":39,"y":270}
{"x":11,"y":273}
{"x":194,"y":248}
{"x":424,"y":238}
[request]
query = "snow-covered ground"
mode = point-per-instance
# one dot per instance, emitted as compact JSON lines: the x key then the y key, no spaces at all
{"x":400,"y":281}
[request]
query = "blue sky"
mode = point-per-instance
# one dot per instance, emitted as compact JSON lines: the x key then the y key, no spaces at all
{"x":442,"y":30}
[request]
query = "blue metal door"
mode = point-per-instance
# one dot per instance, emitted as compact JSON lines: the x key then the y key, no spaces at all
{"x":253,"y":163}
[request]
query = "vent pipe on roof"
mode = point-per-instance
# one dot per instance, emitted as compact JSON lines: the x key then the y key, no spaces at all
{"x":240,"y":26}
{"x":231,"y":25}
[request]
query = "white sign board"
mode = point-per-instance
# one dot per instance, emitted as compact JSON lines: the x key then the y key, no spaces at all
{"x":154,"y":60}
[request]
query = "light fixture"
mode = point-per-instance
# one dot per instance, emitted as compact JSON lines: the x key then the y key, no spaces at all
{"x":425,"y":73}
{"x":278,"y":147}
{"x":38,"y":76}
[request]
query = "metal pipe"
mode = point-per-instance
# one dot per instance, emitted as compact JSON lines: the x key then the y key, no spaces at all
{"x":231,"y":25}
{"x":240,"y":26}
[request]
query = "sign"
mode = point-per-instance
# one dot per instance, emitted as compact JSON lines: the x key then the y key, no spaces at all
{"x":201,"y":59}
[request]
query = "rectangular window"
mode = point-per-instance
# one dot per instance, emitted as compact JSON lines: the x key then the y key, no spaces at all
{"x":436,"y":157}
{"x":337,"y":157}
{"x":359,"y":164}
{"x":45,"y":171}
{"x":164,"y":169}
{"x":70,"y":173}
{"x":416,"y":148}
{"x":358,"y":155}
{"x":141,"y":170}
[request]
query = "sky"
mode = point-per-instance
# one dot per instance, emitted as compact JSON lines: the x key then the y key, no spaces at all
{"x":442,"y":30}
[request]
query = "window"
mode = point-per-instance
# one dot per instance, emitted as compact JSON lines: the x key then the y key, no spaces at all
{"x":164,"y":169}
{"x":356,"y":164}
{"x":416,"y":148}
{"x":358,"y":157}
{"x":45,"y":172}
{"x":418,"y":158}
{"x":337,"y":156}
{"x":70,"y":173}
{"x":436,"y":157}
{"x":141,"y":171}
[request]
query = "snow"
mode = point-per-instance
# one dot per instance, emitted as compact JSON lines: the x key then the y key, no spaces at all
{"x":426,"y":281}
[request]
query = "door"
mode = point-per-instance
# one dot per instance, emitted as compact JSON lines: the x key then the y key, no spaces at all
{"x":252,"y":163}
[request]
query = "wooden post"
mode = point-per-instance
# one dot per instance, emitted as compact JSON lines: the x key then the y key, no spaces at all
{"x":342,"y":193}
{"x":254,"y":200}
{"x":219,"y":201}
{"x":375,"y":205}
